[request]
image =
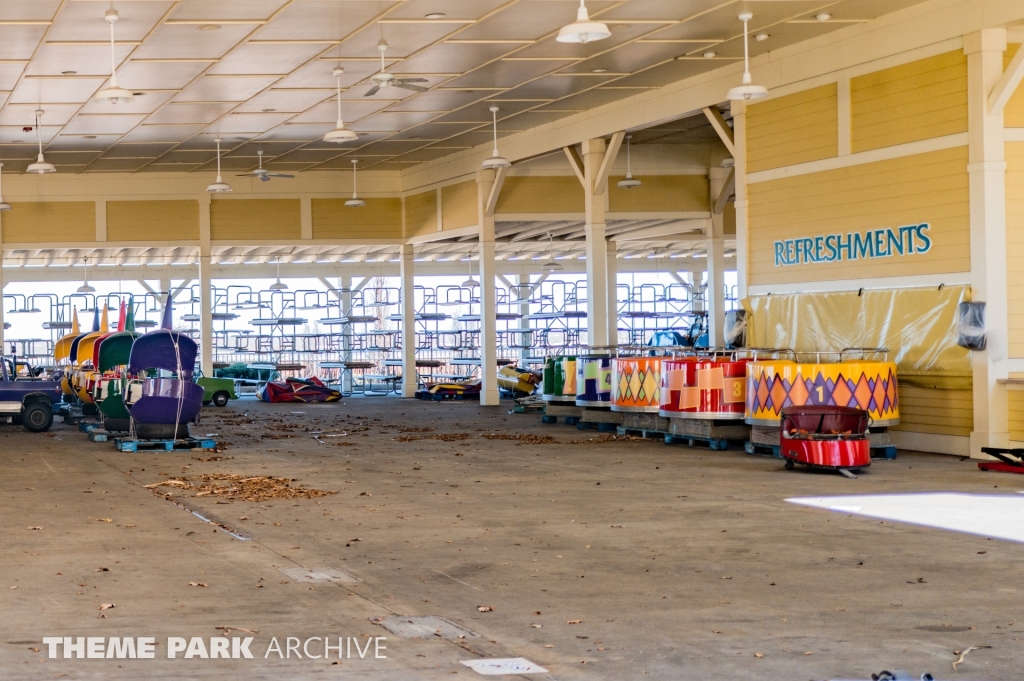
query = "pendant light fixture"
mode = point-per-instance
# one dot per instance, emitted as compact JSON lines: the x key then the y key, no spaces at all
{"x":551,"y":265}
{"x":629,"y":181}
{"x":85,"y":287}
{"x":340,"y":133}
{"x":40,"y":167}
{"x":220,"y":186}
{"x":747,"y":91}
{"x":470,"y":283}
{"x":496,"y":160}
{"x":279,"y":285}
{"x":583,"y":30}
{"x":4,"y":206}
{"x":115,"y":94}
{"x":355,"y":201}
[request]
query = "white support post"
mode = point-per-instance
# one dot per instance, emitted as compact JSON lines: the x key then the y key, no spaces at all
{"x":205,"y":288}
{"x":986,"y":170}
{"x":488,"y":313}
{"x":205,"y":315}
{"x":739,"y":129}
{"x":2,"y":284}
{"x":345,"y":283}
{"x":597,"y":245}
{"x":522,"y":282}
{"x":716,"y":262}
{"x":612,"y":274}
{"x":410,"y":379}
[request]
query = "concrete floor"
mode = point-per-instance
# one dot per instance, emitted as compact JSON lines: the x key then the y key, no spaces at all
{"x":678,"y":563}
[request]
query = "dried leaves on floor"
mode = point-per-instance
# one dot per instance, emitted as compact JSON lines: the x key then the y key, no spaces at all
{"x":242,"y":488}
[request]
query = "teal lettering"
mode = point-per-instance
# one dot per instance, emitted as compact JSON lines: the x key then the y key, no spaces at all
{"x":895,"y":240}
{"x":830,"y":244}
{"x":848,"y":247}
{"x":926,"y":242}
{"x":863,"y":246}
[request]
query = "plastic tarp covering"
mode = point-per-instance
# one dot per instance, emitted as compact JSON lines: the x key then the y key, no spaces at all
{"x":917,"y":325}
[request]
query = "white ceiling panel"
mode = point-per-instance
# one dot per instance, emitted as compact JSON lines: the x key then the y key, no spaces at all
{"x":440,"y":100}
{"x":308,"y":156}
{"x":299,"y":133}
{"x":11,"y":152}
{"x":396,"y":121}
{"x":115,"y":165}
{"x":261,"y":58}
{"x":18,"y":135}
{"x":435,"y":131}
{"x":453,"y":57}
{"x":9,"y":74}
{"x":162,"y":75}
{"x":271,"y":149}
{"x":226,"y":10}
{"x":529,"y":20}
{"x":480,"y":111}
{"x":318,"y":73}
{"x":104,"y":124}
{"x":323,"y":20}
{"x":161,"y":133}
{"x":506,"y":73}
{"x":390,"y":148}
{"x":553,"y":87}
{"x":183,"y":41}
{"x":70,"y":158}
{"x":145,"y":102}
{"x":60,"y":90}
{"x":402,"y":39}
{"x":137,"y":150}
{"x":294,"y":101}
{"x":19,"y":42}
{"x":86,"y":60}
{"x":208,"y":89}
{"x":189,"y":112}
{"x":194,"y":157}
{"x":82,"y":142}
{"x":37,"y":10}
{"x":84,"y":20}
{"x":166,"y":168}
{"x":248,"y":122}
{"x":622,"y":34}
{"x":327,"y":112}
{"x":452,"y":9}
{"x":24,"y":114}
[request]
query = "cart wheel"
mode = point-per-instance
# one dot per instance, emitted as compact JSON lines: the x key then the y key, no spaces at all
{"x":790,"y":464}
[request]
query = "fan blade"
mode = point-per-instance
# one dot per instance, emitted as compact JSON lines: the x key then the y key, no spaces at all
{"x":264,"y":177}
{"x":405,"y":86}
{"x":246,"y":175}
{"x":280,"y":175}
{"x":414,"y":80}
{"x":372,"y":91}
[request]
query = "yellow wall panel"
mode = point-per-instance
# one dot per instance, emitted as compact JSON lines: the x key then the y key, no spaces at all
{"x":1014,"y":152}
{"x":379,"y":219}
{"x":47,"y":221}
{"x":421,"y":213}
{"x":526,"y":194}
{"x":1013,"y":114}
{"x":243,"y":219}
{"x":458,"y":205}
{"x":920,"y":100}
{"x":1015,"y":415}
{"x":930,"y":410}
{"x":929,"y":188}
{"x":793,"y":129}
{"x":659,"y":193}
{"x":152,"y":220}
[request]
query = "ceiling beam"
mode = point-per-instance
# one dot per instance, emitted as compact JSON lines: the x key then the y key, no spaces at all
{"x":1007,"y":84}
{"x":492,"y":198}
{"x":725,"y":133}
{"x":728,"y":189}
{"x":576,"y":162}
{"x":606,"y":163}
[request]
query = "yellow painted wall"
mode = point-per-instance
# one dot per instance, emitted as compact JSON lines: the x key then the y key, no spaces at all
{"x":421,"y":213}
{"x":796,"y":128}
{"x":929,"y":187}
{"x":526,"y":194}
{"x":929,"y":410}
{"x":458,"y":205}
{"x":1015,"y":246}
{"x":47,"y":221}
{"x":244,"y":219}
{"x":380,"y":219}
{"x":1015,"y":409}
{"x":152,"y":220}
{"x":920,"y":100}
{"x":1013,"y":113}
{"x":658,"y":193}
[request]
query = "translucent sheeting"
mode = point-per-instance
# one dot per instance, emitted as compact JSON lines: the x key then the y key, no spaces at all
{"x":917,"y":325}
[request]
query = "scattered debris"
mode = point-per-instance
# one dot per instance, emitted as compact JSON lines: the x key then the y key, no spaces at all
{"x":444,"y":437}
{"x":102,"y":569}
{"x":525,"y":438}
{"x":198,"y":584}
{"x":228,"y":630}
{"x":34,"y":527}
{"x":485,"y":608}
{"x":574,"y":622}
{"x":242,"y":488}
{"x":963,"y":654}
{"x":107,"y":606}
{"x":607,"y":437}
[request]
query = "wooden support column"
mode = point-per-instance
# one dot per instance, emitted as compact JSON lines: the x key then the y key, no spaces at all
{"x":2,"y":284}
{"x":410,"y":379}
{"x":345,"y":284}
{"x":485,"y":182}
{"x":739,"y":130}
{"x":597,"y":244}
{"x":205,"y":288}
{"x":612,"y":274}
{"x":986,"y":169}
{"x":715,"y":241}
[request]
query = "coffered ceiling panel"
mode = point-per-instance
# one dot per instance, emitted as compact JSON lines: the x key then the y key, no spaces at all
{"x":259,"y":72}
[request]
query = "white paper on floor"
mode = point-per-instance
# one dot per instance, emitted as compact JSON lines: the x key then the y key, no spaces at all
{"x":987,"y":515}
{"x":513,"y":665}
{"x":318,"y":574}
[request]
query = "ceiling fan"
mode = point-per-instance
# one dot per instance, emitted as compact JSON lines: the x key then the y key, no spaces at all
{"x":386,"y":80}
{"x":264,"y":175}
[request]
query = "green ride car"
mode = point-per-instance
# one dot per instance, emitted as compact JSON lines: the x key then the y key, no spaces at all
{"x":217,"y":390}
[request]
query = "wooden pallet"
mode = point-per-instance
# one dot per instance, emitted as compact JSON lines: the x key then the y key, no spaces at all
{"x":758,"y":449}
{"x":124,"y":444}
{"x":98,"y":435}
{"x":89,"y":426}
{"x":641,"y":432}
{"x":887,"y":452}
{"x":716,"y":444}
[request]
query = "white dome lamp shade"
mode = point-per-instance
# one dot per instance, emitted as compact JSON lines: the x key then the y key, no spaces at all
{"x":4,"y":206}
{"x":114,"y":94}
{"x":86,"y":287}
{"x":583,"y":30}
{"x":40,"y":167}
{"x":220,"y":186}
{"x":279,"y":285}
{"x":470,"y":283}
{"x":340,"y":133}
{"x":629,"y":181}
{"x":355,"y":201}
{"x":747,"y":91}
{"x":496,"y":160}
